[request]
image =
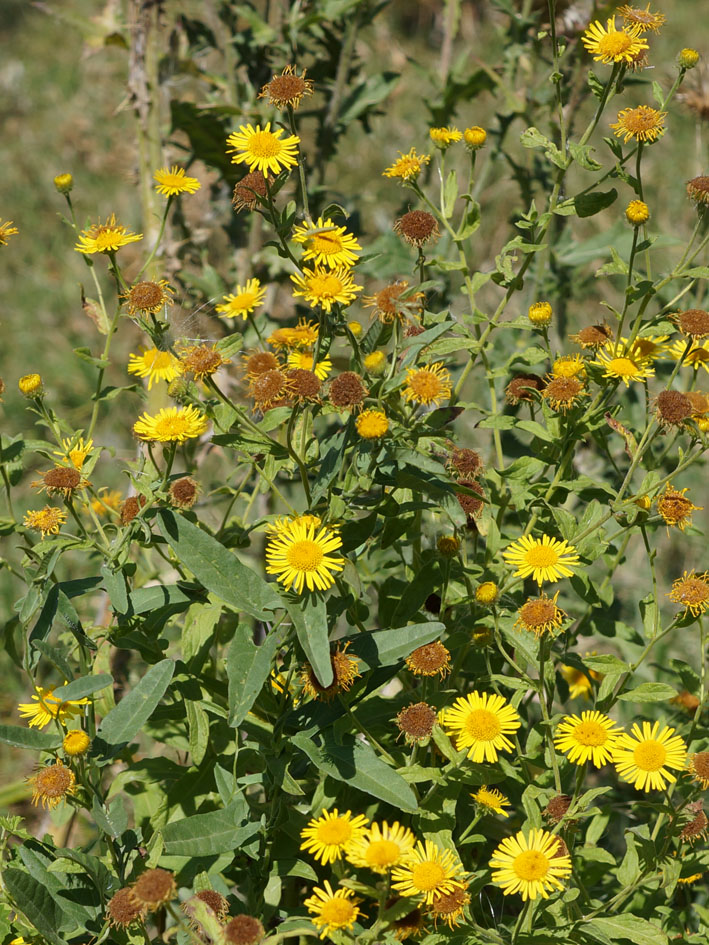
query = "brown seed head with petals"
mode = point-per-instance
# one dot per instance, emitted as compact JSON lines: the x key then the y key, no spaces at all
{"x":692,"y":591}
{"x":123,"y":909}
{"x":431,"y":659}
{"x":557,"y":808}
{"x":347,"y":391}
{"x":466,"y":463}
{"x":51,"y":784}
{"x":696,"y":829}
{"x":132,"y":505}
{"x":287,"y":89}
{"x":388,"y":304}
{"x":673,"y":408}
{"x":270,"y":389}
{"x":258,"y":362}
{"x":593,"y":336}
{"x":522,"y":387}
{"x":202,"y":361}
{"x":449,"y":906}
{"x":694,"y":322}
{"x":698,"y":189}
{"x":417,"y":227}
{"x":148,"y":297}
{"x":563,"y":393}
{"x":345,"y":669}
{"x":698,"y":767}
{"x":216,"y":902}
{"x":154,"y":888}
{"x":249,"y":189}
{"x":63,"y":479}
{"x":471,"y":505}
{"x":183,"y":492}
{"x":416,"y":721}
{"x":243,"y":930}
{"x":306,"y":385}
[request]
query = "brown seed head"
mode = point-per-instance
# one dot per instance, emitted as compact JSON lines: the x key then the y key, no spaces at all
{"x":593,"y":336}
{"x":416,"y":721}
{"x":287,"y":89}
{"x":694,"y":322}
{"x":698,"y":189}
{"x":563,"y":392}
{"x":699,"y":768}
{"x":216,"y":902}
{"x":432,"y":659}
{"x":306,"y":384}
{"x":132,"y":505}
{"x":466,"y":463}
{"x":123,"y":909}
{"x":675,"y":508}
{"x":673,"y":408}
{"x":154,"y":888}
{"x":540,"y":615}
{"x":345,"y":669}
{"x":64,"y":479}
{"x":347,"y":390}
{"x":202,"y":361}
{"x":51,"y":784}
{"x":557,"y":808}
{"x":148,"y":297}
{"x":686,"y":700}
{"x":468,"y":503}
{"x":414,"y":329}
{"x":449,"y":906}
{"x":696,"y":829}
{"x":249,"y":189}
{"x":388,"y":304}
{"x":522,"y":387}
{"x":183,"y":492}
{"x":270,"y":389}
{"x":417,"y":227}
{"x":258,"y":362}
{"x":243,"y":930}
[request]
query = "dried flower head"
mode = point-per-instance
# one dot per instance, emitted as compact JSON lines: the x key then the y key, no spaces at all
{"x":698,"y":189}
{"x":416,"y":721}
{"x":61,"y":480}
{"x":417,"y":227}
{"x":431,"y":659}
{"x":644,"y":19}
{"x":692,"y":591}
{"x":216,"y":902}
{"x":305,"y":385}
{"x":675,"y":508}
{"x":694,"y":322}
{"x":540,"y":615}
{"x":271,"y":389}
{"x":696,"y":829}
{"x":259,"y":362}
{"x":394,"y":301}
{"x":557,"y":808}
{"x":345,"y":669}
{"x":642,"y":123}
{"x":48,"y":520}
{"x":563,"y":393}
{"x":686,"y":700}
{"x":448,"y":907}
{"x":287,"y":89}
{"x":202,"y":361}
{"x":698,"y":768}
{"x":243,"y":930}
{"x":148,"y":298}
{"x":522,"y":387}
{"x":131,"y":507}
{"x":466,"y":463}
{"x":673,"y":408}
{"x":347,"y":391}
{"x":471,"y":504}
{"x":593,"y":336}
{"x":123,"y":909}
{"x":154,"y":888}
{"x":51,"y":784}
{"x":248,"y":191}
{"x":183,"y":492}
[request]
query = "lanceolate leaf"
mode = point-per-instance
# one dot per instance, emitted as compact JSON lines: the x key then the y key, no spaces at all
{"x":20,"y":737}
{"x":247,"y":669}
{"x":36,"y":903}
{"x":125,"y":721}
{"x":219,"y":831}
{"x":309,"y":616}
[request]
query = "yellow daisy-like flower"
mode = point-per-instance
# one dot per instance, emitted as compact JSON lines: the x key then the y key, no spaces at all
{"x":637,"y":212}
{"x":642,"y":123}
{"x":372,"y":424}
{"x":303,"y":557}
{"x":75,"y":450}
{"x":443,"y":137}
{"x":407,"y":166}
{"x":6,"y":230}
{"x":303,"y":335}
{"x":45,"y":707}
{"x":609,"y":45}
{"x":171,"y":183}
{"x":427,"y":872}
{"x":623,"y":367}
{"x":480,"y":723}
{"x":531,"y":865}
{"x":243,"y":301}
{"x":643,"y":19}
{"x":332,"y":910}
{"x":326,"y":244}
{"x":51,"y":785}
{"x":48,"y":520}
{"x":491,"y":799}
{"x":643,"y":757}
{"x":381,"y":847}
{"x":105,"y":237}
{"x":148,"y":298}
{"x":474,"y":137}
{"x":675,"y":508}
{"x":154,"y":364}
{"x":487,"y":593}
{"x":696,"y":357}
{"x":304,"y":361}
{"x":326,"y":287}
{"x":540,"y":314}
{"x":428,"y":385}
{"x":569,"y":365}
{"x":171,"y":425}
{"x":545,"y":559}
{"x":592,"y":737}
{"x":692,"y":591}
{"x":76,"y":743}
{"x":650,"y":347}
{"x":326,"y":837}
{"x":540,"y":615}
{"x":262,"y":149}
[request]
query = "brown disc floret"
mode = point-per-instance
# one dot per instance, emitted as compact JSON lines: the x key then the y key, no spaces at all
{"x":347,"y":391}
{"x":243,"y":930}
{"x":417,"y":227}
{"x":416,"y":721}
{"x":673,"y":408}
{"x":522,"y":387}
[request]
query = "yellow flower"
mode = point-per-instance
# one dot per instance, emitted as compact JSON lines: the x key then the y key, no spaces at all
{"x":107,"y":501}
{"x":154,"y":364}
{"x":326,"y":244}
{"x":428,"y":385}
{"x":491,"y":799}
{"x":580,"y":685}
{"x":64,"y":183}
{"x":540,"y":314}
{"x":643,"y":19}
{"x":355,"y":328}
{"x":262,"y":149}
{"x":76,"y":450}
{"x":474,"y":137}
{"x":345,"y":669}
{"x":675,"y":509}
{"x":687,"y":59}
{"x":692,"y":591}
{"x":372,"y":424}
{"x":105,"y":237}
{"x":171,"y":183}
{"x":407,"y":166}
{"x":427,"y":871}
{"x":7,"y":230}
{"x":643,"y":347}
{"x":530,"y":866}
{"x":480,"y":723}
{"x":31,"y":385}
{"x":303,"y":335}
{"x":76,"y":743}
{"x":243,"y":301}
{"x":375,"y":363}
{"x":569,"y":365}
{"x":443,"y":137}
{"x":592,"y":737}
{"x":48,"y":520}
{"x":540,"y":615}
{"x":625,"y":368}
{"x":303,"y":557}
{"x":326,"y":287}
{"x":487,"y":593}
{"x":381,"y":847}
{"x":642,"y":123}
{"x":327,"y":836}
{"x":644,"y":757}
{"x":332,"y":910}
{"x":637,"y":212}
{"x":696,"y":357}
{"x":545,"y":559}
{"x":45,"y":706}
{"x":171,"y":425}
{"x":448,"y":546}
{"x":51,"y":785}
{"x":609,"y":45}
{"x":304,"y":361}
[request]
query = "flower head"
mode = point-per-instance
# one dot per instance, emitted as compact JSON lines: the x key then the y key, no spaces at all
{"x":609,"y":45}
{"x":171,"y":425}
{"x":444,"y":137}
{"x":563,"y":393}
{"x":123,"y":909}
{"x":250,"y":191}
{"x":303,"y":335}
{"x":243,"y":301}
{"x":466,"y":463}
{"x":287,"y":89}
{"x":303,"y":360}
{"x":490,"y":799}
{"x":202,"y":361}
{"x":148,"y":298}
{"x":540,"y":314}
{"x":474,"y":137}
{"x":428,"y":871}
{"x":522,"y":387}
{"x":428,"y":385}
{"x":381,"y":847}
{"x":642,"y":123}
{"x":332,"y":910}
{"x":431,"y":659}
{"x":624,"y":367}
{"x":183,"y":492}
{"x":105,"y":237}
{"x":698,"y":189}
{"x":325,"y":287}
{"x":76,"y":743}
{"x":592,"y":737}
{"x":305,"y":385}
{"x":637,"y":212}
{"x":375,"y":362}
{"x":675,"y":508}
{"x":569,"y":365}
{"x":694,"y":322}
{"x":487,"y":593}
{"x":6,"y":230}
{"x":243,"y":930}
{"x":545,"y":559}
{"x":327,"y":836}
{"x":481,"y":723}
{"x":345,"y":669}
{"x":64,"y":183}
{"x":154,"y":364}
{"x":407,"y":166}
{"x":51,"y":784}
{"x":687,"y":58}
{"x":540,"y":615}
{"x":395,"y":302}
{"x":154,"y":888}
{"x":448,"y":907}
{"x":347,"y":391}
{"x":643,"y":19}
{"x":472,"y":505}
{"x":530,"y":865}
{"x":45,"y":706}
{"x":262,"y":149}
{"x":417,"y":227}
{"x":31,"y":386}
{"x":216,"y":902}
{"x":326,"y":244}
{"x":372,"y":424}
{"x":593,"y":336}
{"x":579,"y":682}
{"x":698,"y":768}
{"x":416,"y":721}
{"x":173,"y":182}
{"x":48,"y":520}
{"x":259,"y":362}
{"x":697,"y":356}
{"x":692,"y":591}
{"x":696,"y":829}
{"x":271,"y":389}
{"x":302,"y":557}
{"x":558,"y":808}
{"x":448,"y":546}
{"x":61,"y":480}
{"x":644,"y":757}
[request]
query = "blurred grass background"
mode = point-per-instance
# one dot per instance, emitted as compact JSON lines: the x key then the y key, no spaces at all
{"x":64,"y":107}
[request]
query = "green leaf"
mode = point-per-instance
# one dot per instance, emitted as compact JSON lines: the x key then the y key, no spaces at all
{"x":36,"y":903}
{"x":198,"y":730}
{"x":115,"y":584}
{"x":217,"y":568}
{"x":607,"y":664}
{"x":20,"y":737}
{"x":355,"y":763}
{"x":309,"y":616}
{"x":84,"y":686}
{"x":586,"y":205}
{"x":387,"y":647}
{"x":125,"y":721}
{"x":581,"y":153}
{"x":219,"y":831}
{"x":450,"y":194}
{"x":247,"y":668}
{"x":650,"y":692}
{"x":631,"y":928}
{"x":629,"y":869}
